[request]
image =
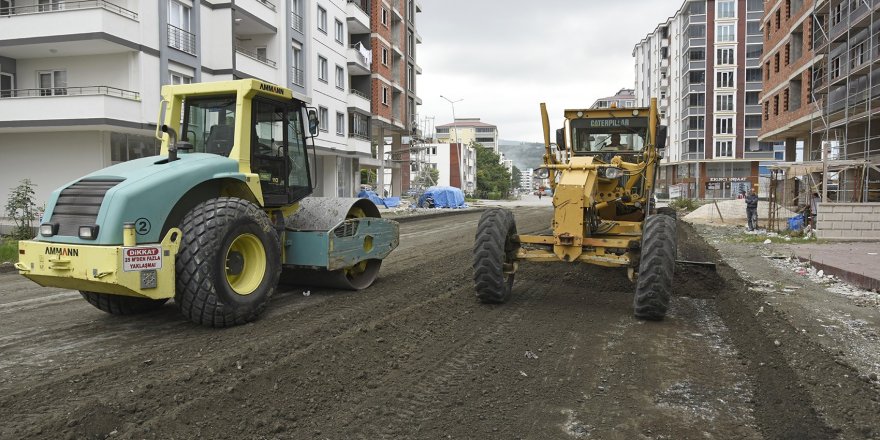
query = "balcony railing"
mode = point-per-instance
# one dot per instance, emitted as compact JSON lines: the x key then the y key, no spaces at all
{"x":267,"y":4}
{"x":71,"y":91}
{"x":357,"y":92}
{"x":298,"y":76}
{"x":255,"y":56}
{"x":181,"y":39}
{"x":693,"y":156}
{"x":66,"y":6}
{"x":296,"y":22}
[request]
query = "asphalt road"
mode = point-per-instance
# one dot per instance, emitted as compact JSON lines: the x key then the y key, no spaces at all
{"x":415,"y":356}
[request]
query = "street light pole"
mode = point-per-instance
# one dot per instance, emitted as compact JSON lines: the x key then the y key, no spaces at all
{"x":457,"y":138}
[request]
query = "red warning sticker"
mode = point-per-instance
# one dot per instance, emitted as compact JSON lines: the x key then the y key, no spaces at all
{"x":141,"y":258}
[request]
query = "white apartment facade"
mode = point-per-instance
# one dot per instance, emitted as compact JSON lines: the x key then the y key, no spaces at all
{"x":467,"y":130}
{"x":80,"y":80}
{"x":444,"y":158}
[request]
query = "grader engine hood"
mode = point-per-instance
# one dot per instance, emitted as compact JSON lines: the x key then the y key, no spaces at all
{"x":141,"y":191}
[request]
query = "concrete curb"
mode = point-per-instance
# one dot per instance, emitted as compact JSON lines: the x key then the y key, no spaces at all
{"x":856,"y":279}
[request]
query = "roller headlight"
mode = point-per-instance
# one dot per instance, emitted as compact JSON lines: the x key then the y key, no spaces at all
{"x":613,"y":173}
{"x":48,"y":229}
{"x":89,"y":232}
{"x":542,"y":173}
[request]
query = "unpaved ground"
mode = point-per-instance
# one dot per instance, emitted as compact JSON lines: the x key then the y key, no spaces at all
{"x":415,"y":356}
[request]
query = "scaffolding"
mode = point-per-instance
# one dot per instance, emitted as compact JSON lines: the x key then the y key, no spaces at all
{"x":845,"y":89}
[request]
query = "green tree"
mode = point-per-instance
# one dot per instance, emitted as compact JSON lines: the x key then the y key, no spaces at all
{"x":22,"y":209}
{"x":516,"y":177}
{"x":493,"y":179}
{"x":368,"y":177}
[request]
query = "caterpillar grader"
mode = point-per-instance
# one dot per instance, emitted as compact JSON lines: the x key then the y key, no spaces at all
{"x":215,"y":220}
{"x":602,"y":173}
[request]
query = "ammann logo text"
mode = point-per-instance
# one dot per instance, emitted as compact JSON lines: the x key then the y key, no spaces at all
{"x":271,"y":88}
{"x":62,"y":252}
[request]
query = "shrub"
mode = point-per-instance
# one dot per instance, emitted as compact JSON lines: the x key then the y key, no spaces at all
{"x":22,"y":209}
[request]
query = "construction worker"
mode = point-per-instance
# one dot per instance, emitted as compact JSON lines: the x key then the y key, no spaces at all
{"x":752,"y":210}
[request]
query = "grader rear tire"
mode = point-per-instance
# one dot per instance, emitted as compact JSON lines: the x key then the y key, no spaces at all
{"x":494,"y":256}
{"x":671,"y":212}
{"x":656,"y":268}
{"x":228,"y":264}
{"x":121,"y":305}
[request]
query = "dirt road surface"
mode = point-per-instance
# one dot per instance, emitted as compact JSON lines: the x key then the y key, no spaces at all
{"x":415,"y":356}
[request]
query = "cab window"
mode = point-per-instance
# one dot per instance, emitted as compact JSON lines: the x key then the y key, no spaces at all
{"x":209,"y":124}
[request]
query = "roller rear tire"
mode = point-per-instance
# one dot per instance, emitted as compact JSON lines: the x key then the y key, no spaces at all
{"x":494,"y":256}
{"x":656,"y":268}
{"x":121,"y":305}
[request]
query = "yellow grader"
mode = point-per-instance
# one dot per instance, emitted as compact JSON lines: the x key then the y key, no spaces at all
{"x":602,"y":174}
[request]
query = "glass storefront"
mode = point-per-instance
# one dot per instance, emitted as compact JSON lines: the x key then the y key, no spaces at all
{"x":726,"y":180}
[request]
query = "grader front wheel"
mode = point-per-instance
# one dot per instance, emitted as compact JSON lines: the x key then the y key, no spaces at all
{"x":495,"y":256}
{"x":656,"y":268}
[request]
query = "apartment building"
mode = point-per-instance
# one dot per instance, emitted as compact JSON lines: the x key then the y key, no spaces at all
{"x":393,"y":42}
{"x":704,"y":66}
{"x":80,"y":80}
{"x":823,"y":91}
{"x":453,"y":169}
{"x":467,"y":130}
{"x":623,"y":98}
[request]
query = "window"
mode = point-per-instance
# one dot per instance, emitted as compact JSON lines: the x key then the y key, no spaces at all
{"x":340,"y":124}
{"x":340,"y":78}
{"x":385,"y":56}
{"x":322,"y":69}
{"x":7,"y":85}
{"x":697,"y":99}
{"x":322,"y":19}
{"x":51,"y":5}
{"x":697,"y":30}
{"x":52,"y":82}
{"x":323,"y":119}
{"x":724,"y":125}
{"x":753,"y":27}
{"x":754,"y":5}
{"x":696,"y":54}
{"x":178,"y":78}
{"x":836,"y":13}
{"x":125,"y":147}
{"x":696,"y":145}
{"x":726,"y":9}
{"x":724,"y":79}
{"x":262,"y":54}
{"x":697,"y":76}
{"x":384,"y":95}
{"x":724,"y":103}
{"x":857,"y":55}
{"x":340,"y":32}
{"x":384,"y":17}
{"x":179,"y":15}
{"x":696,"y":122}
{"x":752,"y":98}
{"x":723,"y":148}
{"x":754,"y":50}
{"x":753,"y":75}
{"x":725,"y":56}
{"x":725,"y":33}
{"x":753,"y":122}
{"x":298,"y":76}
{"x":835,"y":67}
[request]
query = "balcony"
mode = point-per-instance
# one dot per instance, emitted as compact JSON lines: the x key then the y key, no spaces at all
{"x":181,"y":40}
{"x":70,"y":103}
{"x":359,"y":59}
{"x":106,"y":27}
{"x":358,"y":16}
{"x":255,"y":65}
{"x":696,"y":155}
{"x":358,"y":101}
{"x":263,"y":10}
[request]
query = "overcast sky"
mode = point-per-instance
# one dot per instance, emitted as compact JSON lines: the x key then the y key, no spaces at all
{"x":503,"y":58}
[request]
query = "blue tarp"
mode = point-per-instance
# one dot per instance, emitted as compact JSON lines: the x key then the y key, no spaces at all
{"x":796,"y":223}
{"x":388,"y":202}
{"x":444,"y":197}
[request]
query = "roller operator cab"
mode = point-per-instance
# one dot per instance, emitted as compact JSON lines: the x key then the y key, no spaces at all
{"x":215,"y":220}
{"x":602,"y":170}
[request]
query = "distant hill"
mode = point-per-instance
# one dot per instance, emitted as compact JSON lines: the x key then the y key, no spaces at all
{"x":523,"y":154}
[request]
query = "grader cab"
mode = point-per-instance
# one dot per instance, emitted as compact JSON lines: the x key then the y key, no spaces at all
{"x":602,"y":170}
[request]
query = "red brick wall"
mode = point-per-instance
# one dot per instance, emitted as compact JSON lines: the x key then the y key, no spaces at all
{"x":780,"y":35}
{"x":376,"y":26}
{"x":454,"y":171}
